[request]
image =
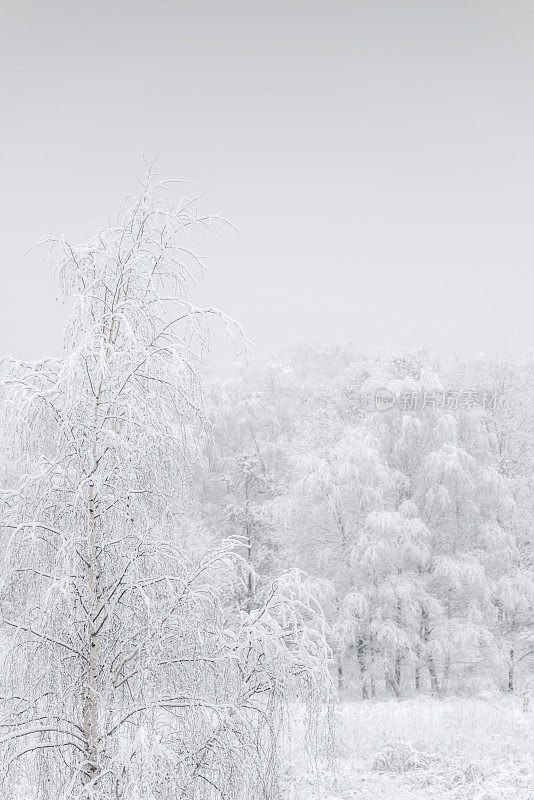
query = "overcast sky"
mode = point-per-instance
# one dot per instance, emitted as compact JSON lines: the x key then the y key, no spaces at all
{"x":377,"y":156}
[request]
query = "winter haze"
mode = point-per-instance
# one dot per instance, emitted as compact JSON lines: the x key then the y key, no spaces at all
{"x":267,"y":401}
{"x":376,"y":155}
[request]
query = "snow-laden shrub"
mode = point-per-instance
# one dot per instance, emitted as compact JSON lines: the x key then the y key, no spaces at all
{"x":399,"y":756}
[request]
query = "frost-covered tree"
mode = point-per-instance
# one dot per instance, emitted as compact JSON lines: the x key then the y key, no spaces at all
{"x":338,"y":480}
{"x":502,"y":437}
{"x":453,"y":497}
{"x":252,"y":418}
{"x":122,"y":675}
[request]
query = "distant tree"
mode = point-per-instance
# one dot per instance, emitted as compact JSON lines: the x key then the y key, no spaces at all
{"x":502,"y":437}
{"x":252,"y":419}
{"x":443,"y":479}
{"x":338,"y":481}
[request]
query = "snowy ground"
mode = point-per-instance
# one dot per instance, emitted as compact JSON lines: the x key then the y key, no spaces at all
{"x":479,"y":749}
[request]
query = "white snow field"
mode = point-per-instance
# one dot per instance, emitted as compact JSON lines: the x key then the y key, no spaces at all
{"x":457,"y":749}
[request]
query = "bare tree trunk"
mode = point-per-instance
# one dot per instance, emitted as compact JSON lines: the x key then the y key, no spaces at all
{"x":434,"y":682}
{"x":526,"y":698}
{"x":339,"y":673}
{"x":363,"y":667}
{"x":91,"y":716}
{"x":447,"y":665}
{"x":90,"y":709}
{"x":446,"y":674}
{"x":398,"y":674}
{"x":392,"y":684}
{"x":398,"y":654}
{"x":370,"y":654}
{"x":250,"y":582}
{"x":417,"y":677}
{"x":511,"y":670}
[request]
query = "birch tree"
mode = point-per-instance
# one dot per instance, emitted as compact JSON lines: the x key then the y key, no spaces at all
{"x":121,"y":675}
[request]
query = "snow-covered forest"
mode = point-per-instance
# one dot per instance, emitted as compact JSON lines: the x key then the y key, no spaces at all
{"x":413,"y":520}
{"x":193,"y":566}
{"x":267,"y":400}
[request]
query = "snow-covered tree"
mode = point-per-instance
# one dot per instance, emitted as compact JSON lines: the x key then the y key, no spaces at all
{"x":453,"y":497}
{"x":122,"y":675}
{"x":502,"y":434}
{"x":252,"y":418}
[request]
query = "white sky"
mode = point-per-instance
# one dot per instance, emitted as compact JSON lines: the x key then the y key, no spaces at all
{"x":378,"y":157}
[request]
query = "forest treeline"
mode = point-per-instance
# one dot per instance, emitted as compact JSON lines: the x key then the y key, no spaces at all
{"x":403,"y":488}
{"x":182,"y":560}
